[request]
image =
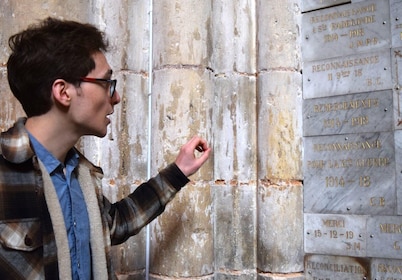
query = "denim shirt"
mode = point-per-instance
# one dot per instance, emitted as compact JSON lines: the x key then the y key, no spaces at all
{"x":73,"y":206}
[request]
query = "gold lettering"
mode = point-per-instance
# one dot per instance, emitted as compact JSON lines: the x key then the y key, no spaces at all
{"x":391,"y":228}
{"x":352,"y":22}
{"x":373,"y":162}
{"x":344,"y":64}
{"x":336,"y":267}
{"x":334,"y":147}
{"x":359,"y":121}
{"x":387,"y":268}
{"x":316,"y":164}
{"x":346,"y":105}
{"x":372,"y":8}
{"x":334,"y":223}
{"x":356,"y":33}
{"x":377,"y":201}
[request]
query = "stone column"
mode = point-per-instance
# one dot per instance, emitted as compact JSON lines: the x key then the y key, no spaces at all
{"x":234,"y":113}
{"x":279,"y":203}
{"x":182,"y":237}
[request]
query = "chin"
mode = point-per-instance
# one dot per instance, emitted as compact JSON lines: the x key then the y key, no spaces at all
{"x":102,"y":134}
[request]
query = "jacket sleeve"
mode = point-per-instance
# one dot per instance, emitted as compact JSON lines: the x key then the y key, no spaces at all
{"x":129,"y":215}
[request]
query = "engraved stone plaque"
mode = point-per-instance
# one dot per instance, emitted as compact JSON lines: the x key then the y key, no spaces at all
{"x":345,"y":30}
{"x":396,"y":22}
{"x":353,"y":113}
{"x":350,"y":173}
{"x":384,"y":237}
{"x":335,"y":234}
{"x":350,"y":74}
{"x":319,"y":267}
{"x":386,"y":269}
{"x":309,"y":5}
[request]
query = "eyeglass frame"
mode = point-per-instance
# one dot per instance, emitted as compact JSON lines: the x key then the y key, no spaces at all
{"x":113,"y":83}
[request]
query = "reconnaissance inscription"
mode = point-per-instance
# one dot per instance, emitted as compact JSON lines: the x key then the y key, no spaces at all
{"x":350,"y":173}
{"x":350,"y":74}
{"x":353,"y":113}
{"x":384,"y":238}
{"x":346,"y":29}
{"x":309,"y":5}
{"x":335,"y":234}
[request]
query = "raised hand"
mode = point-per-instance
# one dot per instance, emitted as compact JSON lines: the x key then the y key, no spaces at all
{"x":187,"y":160}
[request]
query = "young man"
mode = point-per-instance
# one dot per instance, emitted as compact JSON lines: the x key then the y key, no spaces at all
{"x":54,"y":221}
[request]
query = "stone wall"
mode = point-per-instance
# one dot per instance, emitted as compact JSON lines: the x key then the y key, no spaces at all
{"x":227,"y":70}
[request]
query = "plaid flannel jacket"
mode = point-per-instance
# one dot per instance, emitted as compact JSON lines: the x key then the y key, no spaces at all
{"x":33,"y":238}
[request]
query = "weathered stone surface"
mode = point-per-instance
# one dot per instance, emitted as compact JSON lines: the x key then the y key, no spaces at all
{"x":181,"y":102}
{"x":234,"y":227}
{"x":278,"y":35}
{"x":279,"y":125}
{"x":129,"y":257}
{"x":279,"y":232}
{"x":180,"y":34}
{"x":235,"y":275}
{"x":234,"y":116}
{"x":182,"y":243}
{"x":233,"y":33}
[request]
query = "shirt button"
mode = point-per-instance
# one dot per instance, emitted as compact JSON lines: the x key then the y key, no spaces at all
{"x":75,"y":224}
{"x":28,"y":241}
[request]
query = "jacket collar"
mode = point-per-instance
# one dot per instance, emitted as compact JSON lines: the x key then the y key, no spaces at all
{"x":14,"y":143}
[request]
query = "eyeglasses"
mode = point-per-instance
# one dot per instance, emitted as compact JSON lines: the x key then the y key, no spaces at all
{"x":113,"y":83}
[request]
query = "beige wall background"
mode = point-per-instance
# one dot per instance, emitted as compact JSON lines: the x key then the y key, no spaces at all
{"x":228,"y":70}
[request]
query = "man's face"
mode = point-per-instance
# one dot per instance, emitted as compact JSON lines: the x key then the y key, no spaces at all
{"x":93,"y":104}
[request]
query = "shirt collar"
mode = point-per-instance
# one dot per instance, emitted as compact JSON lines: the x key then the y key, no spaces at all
{"x":49,"y":160}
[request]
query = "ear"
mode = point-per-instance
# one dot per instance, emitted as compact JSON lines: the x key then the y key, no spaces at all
{"x":61,"y":92}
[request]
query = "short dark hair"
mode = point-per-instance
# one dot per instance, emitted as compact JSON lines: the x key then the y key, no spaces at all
{"x":52,"y":49}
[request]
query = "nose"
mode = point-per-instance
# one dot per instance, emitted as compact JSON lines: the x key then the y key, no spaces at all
{"x":116,"y":98}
